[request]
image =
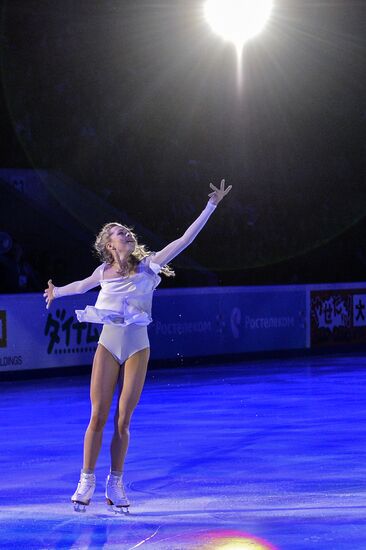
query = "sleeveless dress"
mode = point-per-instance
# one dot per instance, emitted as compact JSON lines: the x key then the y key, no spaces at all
{"x":124,"y":304}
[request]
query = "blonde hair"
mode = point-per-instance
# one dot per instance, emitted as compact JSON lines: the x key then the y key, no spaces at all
{"x":140,"y":252}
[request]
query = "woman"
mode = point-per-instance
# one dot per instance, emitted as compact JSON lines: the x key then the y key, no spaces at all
{"x":128,"y":276}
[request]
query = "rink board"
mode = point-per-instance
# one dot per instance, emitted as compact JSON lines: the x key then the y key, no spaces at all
{"x":195,"y":322}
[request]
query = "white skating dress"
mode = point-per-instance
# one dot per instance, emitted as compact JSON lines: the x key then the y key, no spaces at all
{"x":124,"y":304}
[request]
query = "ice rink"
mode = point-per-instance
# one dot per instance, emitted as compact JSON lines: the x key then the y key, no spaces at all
{"x":261,"y":455}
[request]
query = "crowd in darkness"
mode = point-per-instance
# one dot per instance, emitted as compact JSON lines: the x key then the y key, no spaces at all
{"x":17,"y":273}
{"x":26,"y":267}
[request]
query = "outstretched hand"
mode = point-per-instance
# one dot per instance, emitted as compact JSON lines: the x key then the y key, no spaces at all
{"x":218,"y":194}
{"x":48,"y":294}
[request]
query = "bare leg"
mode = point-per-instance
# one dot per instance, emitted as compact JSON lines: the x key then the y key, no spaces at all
{"x":133,"y":381}
{"x":104,"y":378}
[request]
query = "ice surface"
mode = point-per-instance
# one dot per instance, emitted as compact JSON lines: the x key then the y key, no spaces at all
{"x":274,"y":449}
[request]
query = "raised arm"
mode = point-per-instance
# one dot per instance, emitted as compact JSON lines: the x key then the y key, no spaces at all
{"x":174,"y":248}
{"x":78,"y":287}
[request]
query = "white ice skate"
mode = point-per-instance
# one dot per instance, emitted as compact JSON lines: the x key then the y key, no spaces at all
{"x":115,"y":495}
{"x":84,"y":492}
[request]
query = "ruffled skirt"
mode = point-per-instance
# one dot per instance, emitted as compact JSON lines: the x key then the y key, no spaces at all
{"x":131,"y":315}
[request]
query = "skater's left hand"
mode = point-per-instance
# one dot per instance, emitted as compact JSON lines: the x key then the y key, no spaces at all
{"x":218,"y":194}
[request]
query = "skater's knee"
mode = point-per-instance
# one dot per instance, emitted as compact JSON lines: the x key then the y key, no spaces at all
{"x":98,"y":420}
{"x":124,"y":425}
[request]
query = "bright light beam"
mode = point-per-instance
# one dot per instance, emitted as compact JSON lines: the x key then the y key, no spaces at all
{"x":238,"y":20}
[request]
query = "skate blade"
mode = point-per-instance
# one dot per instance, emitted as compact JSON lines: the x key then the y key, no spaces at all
{"x":117,"y":510}
{"x":80,"y":506}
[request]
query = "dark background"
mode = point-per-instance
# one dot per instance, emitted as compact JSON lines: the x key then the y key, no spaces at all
{"x":137,"y":102}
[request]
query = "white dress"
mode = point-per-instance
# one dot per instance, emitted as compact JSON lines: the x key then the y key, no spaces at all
{"x":124,"y":304}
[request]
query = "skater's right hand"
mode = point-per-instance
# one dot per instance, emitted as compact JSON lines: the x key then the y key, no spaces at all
{"x":48,"y":294}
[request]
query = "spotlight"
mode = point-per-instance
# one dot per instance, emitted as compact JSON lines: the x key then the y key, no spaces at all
{"x":237,"y":20}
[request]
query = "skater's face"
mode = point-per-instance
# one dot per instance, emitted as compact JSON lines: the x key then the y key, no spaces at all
{"x":121,"y":240}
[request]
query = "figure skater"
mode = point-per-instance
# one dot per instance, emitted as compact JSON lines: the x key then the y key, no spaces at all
{"x":128,"y":276}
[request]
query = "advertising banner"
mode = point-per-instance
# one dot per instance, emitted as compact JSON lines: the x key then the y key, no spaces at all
{"x":32,"y":337}
{"x":188,"y":323}
{"x":219,"y":321}
{"x":338,"y":316}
